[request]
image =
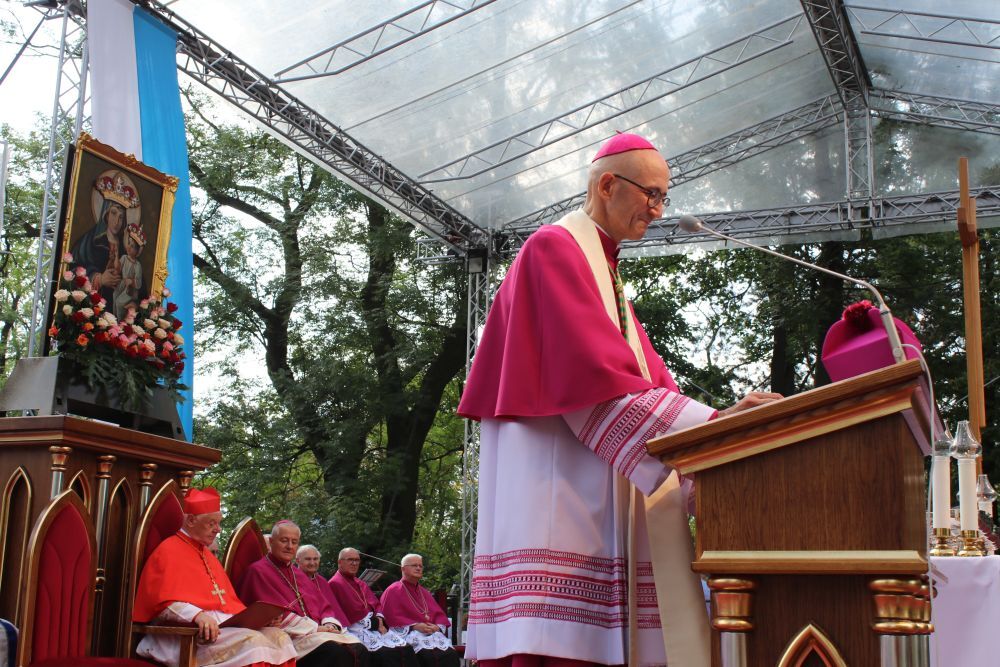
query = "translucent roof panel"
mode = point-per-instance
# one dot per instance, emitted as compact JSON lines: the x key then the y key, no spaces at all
{"x":947,"y":48}
{"x":499,"y":110}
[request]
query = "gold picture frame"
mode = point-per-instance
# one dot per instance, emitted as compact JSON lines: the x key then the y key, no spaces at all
{"x":118,"y":213}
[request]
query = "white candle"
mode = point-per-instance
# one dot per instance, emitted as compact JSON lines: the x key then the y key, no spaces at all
{"x":941,"y":492}
{"x":967,"y":505}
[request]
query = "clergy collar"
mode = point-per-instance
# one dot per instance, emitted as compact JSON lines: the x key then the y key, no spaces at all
{"x":276,"y":562}
{"x":186,"y":536}
{"x":611,"y":248}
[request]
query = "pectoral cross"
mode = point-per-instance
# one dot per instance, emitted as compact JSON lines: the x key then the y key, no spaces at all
{"x":218,"y":591}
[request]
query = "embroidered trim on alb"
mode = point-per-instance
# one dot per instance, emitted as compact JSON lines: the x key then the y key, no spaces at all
{"x":568,"y":559}
{"x":538,"y":610}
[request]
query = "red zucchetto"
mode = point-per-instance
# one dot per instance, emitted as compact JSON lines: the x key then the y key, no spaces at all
{"x":202,"y":501}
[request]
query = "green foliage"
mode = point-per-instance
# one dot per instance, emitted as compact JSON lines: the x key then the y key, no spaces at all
{"x":338,"y":427}
{"x":22,"y":213}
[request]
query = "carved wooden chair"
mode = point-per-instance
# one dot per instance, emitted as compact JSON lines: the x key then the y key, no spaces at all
{"x":58,"y":589}
{"x":246,"y":547}
{"x":162,"y":518}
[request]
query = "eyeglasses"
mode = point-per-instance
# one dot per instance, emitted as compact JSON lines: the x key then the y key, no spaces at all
{"x":653,"y":197}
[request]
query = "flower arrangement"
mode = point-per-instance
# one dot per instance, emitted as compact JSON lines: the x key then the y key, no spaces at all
{"x":126,"y":357}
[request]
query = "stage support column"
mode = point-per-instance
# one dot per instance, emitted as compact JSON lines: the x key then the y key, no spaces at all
{"x":59,"y":457}
{"x":732,"y":612}
{"x":902,"y":607}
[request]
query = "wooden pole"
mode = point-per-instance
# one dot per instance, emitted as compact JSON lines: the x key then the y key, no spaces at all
{"x":973,"y":320}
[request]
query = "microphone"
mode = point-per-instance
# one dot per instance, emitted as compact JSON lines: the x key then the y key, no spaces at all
{"x":691,"y":224}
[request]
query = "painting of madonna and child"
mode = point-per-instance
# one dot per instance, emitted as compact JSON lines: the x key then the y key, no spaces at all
{"x":117,"y":225}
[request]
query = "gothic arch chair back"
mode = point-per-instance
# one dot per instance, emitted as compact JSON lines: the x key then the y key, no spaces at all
{"x":58,"y":588}
{"x":246,"y":546}
{"x":58,"y":584}
{"x":161,"y":519}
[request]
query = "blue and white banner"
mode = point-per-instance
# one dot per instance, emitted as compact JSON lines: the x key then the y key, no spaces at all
{"x":136,"y":108}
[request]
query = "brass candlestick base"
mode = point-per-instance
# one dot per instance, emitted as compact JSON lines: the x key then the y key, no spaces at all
{"x":941,"y":546}
{"x":969,"y":546}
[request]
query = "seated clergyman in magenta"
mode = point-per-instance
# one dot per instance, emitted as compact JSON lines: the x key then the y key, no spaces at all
{"x":412,"y":613}
{"x":315,"y":624}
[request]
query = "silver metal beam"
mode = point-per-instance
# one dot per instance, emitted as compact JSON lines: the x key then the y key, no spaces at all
{"x":479,"y":297}
{"x":378,"y":39}
{"x":808,"y":223}
{"x":631,"y":97}
{"x":972,"y":31}
{"x":887,"y":216}
{"x":723,"y":152}
{"x":840,"y":51}
{"x":317,"y":138}
{"x":67,"y":120}
{"x":938,"y":111}
{"x":839,"y":48}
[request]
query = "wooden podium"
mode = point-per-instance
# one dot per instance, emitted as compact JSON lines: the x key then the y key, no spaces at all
{"x":811,"y":524}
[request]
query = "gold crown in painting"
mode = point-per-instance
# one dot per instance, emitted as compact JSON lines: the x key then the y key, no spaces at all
{"x":117,"y":187}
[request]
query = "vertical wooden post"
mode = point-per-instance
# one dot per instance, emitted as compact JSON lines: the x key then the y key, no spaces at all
{"x":970,"y":296}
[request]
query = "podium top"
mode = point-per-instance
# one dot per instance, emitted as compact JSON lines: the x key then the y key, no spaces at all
{"x":79,"y":433}
{"x":894,"y":389}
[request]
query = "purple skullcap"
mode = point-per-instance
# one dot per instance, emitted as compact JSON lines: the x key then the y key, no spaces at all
{"x":623,"y":142}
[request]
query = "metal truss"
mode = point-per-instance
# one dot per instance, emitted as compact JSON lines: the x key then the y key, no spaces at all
{"x":636,"y":95}
{"x":818,"y":222}
{"x":938,"y":111}
{"x":479,"y":297}
{"x":723,"y":152}
{"x":67,"y":119}
{"x":222,"y":72}
{"x":839,"y":48}
{"x":858,"y":149}
{"x":840,"y":52}
{"x":385,"y":36}
{"x":927,"y":26}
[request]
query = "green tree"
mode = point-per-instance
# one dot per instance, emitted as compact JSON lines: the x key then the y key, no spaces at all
{"x":18,"y":244}
{"x":359,"y":343}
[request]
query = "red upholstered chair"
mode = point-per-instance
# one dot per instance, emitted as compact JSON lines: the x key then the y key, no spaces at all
{"x":162,"y":518}
{"x":58,"y":589}
{"x":246,"y":546}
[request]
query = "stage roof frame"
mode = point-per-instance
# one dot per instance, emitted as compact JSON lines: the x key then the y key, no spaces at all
{"x":475,"y":119}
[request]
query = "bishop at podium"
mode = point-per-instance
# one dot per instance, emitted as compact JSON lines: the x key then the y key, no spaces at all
{"x":569,"y":389}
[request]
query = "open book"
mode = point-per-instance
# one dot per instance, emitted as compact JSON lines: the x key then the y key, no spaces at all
{"x":255,"y":616}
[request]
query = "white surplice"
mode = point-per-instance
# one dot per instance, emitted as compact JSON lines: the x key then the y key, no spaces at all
{"x":235,"y":647}
{"x":551,"y":566}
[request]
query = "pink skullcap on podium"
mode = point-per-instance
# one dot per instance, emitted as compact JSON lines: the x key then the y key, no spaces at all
{"x":202,"y":501}
{"x":858,"y":343}
{"x":623,"y":142}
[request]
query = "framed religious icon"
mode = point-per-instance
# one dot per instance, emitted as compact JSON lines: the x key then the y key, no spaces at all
{"x":117,"y":225}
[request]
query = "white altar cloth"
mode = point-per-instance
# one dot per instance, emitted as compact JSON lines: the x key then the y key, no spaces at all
{"x":966,"y":611}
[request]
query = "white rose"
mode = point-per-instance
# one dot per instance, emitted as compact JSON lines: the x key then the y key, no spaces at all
{"x":160,"y":333}
{"x":78,"y":295}
{"x":149,"y":324}
{"x":67,"y":310}
{"x":61,"y":295}
{"x":111,"y":318}
{"x":88,"y":312}
{"x":178,"y":340}
{"x":102,"y":323}
{"x":137,"y":330}
{"x":163,"y":323}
